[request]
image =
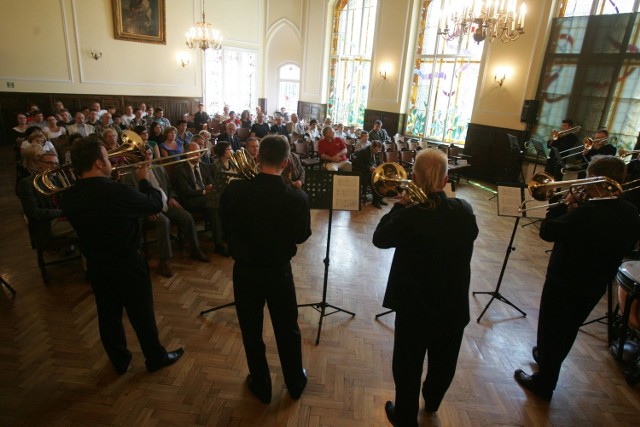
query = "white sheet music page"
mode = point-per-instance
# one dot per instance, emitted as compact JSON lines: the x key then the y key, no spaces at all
{"x":346,"y":192}
{"x":509,"y":200}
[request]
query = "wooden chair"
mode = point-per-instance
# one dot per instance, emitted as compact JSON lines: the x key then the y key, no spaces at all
{"x":302,"y":149}
{"x":243,"y":133}
{"x":392,"y":156}
{"x":389,"y":146}
{"x":42,"y":242}
{"x":407,"y":158}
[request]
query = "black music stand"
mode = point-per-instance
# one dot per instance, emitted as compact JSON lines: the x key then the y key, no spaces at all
{"x":539,"y":149}
{"x":327,"y":190}
{"x":8,"y":286}
{"x":513,"y":172}
{"x":510,"y":198}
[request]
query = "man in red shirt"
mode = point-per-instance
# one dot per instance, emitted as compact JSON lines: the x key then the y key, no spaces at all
{"x":333,"y":151}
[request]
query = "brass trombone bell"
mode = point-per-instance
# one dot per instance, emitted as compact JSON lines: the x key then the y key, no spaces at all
{"x":624,"y":153}
{"x":559,"y":134}
{"x":390,"y":179}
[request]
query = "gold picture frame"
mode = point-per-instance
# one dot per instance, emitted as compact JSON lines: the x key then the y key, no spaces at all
{"x":139,"y":20}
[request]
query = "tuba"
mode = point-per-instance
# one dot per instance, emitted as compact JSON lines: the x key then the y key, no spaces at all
{"x":243,"y":165}
{"x":390,"y":179}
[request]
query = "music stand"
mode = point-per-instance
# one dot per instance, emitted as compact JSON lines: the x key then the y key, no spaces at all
{"x":539,"y":149}
{"x":329,"y":190}
{"x":516,"y":153}
{"x":8,"y":286}
{"x":510,"y":198}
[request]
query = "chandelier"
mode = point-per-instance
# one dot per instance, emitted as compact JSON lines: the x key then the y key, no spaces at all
{"x":496,"y":20}
{"x":203,"y":35}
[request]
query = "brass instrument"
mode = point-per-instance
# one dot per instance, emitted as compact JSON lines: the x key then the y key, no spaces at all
{"x":243,"y":165}
{"x":559,"y":134}
{"x":543,"y":187}
{"x":589,"y":142}
{"x":132,"y":151}
{"x":622,"y":153}
{"x":390,"y":179}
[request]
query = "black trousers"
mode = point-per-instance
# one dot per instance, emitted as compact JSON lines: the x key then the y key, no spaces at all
{"x":252,"y":287}
{"x":562,"y":311}
{"x":125,"y":285}
{"x":412,"y":341}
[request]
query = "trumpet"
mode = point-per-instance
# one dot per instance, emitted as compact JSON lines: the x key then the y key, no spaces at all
{"x":543,"y":186}
{"x":390,"y":179}
{"x":559,"y":134}
{"x":132,"y":150}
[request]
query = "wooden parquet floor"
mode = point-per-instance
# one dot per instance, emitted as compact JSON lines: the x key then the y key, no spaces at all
{"x":54,"y":372}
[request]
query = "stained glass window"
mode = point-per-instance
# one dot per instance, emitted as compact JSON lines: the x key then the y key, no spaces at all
{"x":591,"y":72}
{"x":230,"y":79}
{"x":444,"y":82}
{"x":350,"y":61}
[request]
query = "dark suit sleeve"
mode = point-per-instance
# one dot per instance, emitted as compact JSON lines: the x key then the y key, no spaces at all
{"x":128,"y":202}
{"x":304,"y":230}
{"x":30,"y":204}
{"x":394,"y":229}
{"x":183,"y":182}
{"x":560,"y":224}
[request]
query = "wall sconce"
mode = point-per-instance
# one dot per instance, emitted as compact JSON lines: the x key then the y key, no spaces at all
{"x":96,"y":55}
{"x":500,"y":80}
{"x":384,"y":69}
{"x":500,"y":75}
{"x":183,"y":59}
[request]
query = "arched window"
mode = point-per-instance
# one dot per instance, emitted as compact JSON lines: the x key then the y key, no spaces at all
{"x":230,"y":79}
{"x":350,"y":62}
{"x":444,"y":82}
{"x":288,"y":87}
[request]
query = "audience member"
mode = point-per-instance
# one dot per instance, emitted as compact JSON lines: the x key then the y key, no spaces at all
{"x":366,"y":161}
{"x":160,"y":118}
{"x":363,"y":142}
{"x":245,"y":119}
{"x":230,"y":137}
{"x":183,"y":136}
{"x":378,"y":133}
{"x":144,"y":135}
{"x":297,"y":129}
{"x":260,"y":129}
{"x":333,"y":151}
{"x":171,"y":146}
{"x":128,"y":116}
{"x":279,"y":128}
{"x":80,"y":126}
{"x":201,"y":117}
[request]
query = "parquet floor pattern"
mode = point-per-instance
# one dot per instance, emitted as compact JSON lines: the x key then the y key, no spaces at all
{"x":54,"y":372}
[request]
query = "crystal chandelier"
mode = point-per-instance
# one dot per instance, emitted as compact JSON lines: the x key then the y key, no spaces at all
{"x":203,"y":35}
{"x":496,"y":20}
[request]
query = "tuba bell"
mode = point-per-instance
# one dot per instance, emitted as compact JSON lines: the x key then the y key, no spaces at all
{"x":390,"y":179}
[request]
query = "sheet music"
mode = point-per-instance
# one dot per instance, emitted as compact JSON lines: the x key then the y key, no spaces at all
{"x":346,"y":192}
{"x":509,"y":200}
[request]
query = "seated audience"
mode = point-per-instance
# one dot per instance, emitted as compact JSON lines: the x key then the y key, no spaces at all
{"x":92,"y":118}
{"x":340,"y":131}
{"x":128,"y":116}
{"x":36,"y":138}
{"x":279,"y":128}
{"x":251,"y":147}
{"x":184,"y":136}
{"x":37,"y":119}
{"x":138,"y":119}
{"x":224,"y":116}
{"x":365,"y":161}
{"x":19,"y":132}
{"x":106,"y":122}
{"x":297,"y":129}
{"x":205,"y":156}
{"x":378,"y":133}
{"x":233,"y":119}
{"x":333,"y":151}
{"x":79,"y":126}
{"x":194,"y":186}
{"x":53,"y":131}
{"x":170,"y":146}
{"x":245,"y":119}
{"x":172,"y":212}
{"x":314,"y":131}
{"x":201,"y":117}
{"x":363,"y":142}
{"x":293,"y":173}
{"x":43,"y":212}
{"x":160,"y":118}
{"x":144,"y":135}
{"x":230,"y":137}
{"x":260,"y":129}
{"x":155,"y":133}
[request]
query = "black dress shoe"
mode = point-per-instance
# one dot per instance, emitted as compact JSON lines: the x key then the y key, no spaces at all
{"x":295,"y":394}
{"x":529,"y":382}
{"x":169,"y":359}
{"x":123,"y":368}
{"x":377,"y":205}
{"x":262,"y":393}
{"x":390,"y":410}
{"x":199,"y":256}
{"x":534,"y":353}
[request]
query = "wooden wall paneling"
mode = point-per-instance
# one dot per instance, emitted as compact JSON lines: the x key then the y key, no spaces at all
{"x":391,"y":122}
{"x":311,"y":110}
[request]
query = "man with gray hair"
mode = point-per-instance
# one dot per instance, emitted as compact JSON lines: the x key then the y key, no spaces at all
{"x":428,"y":291}
{"x":262,"y":251}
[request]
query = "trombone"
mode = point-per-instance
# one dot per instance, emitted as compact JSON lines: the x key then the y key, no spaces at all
{"x":62,"y":178}
{"x":587,"y":144}
{"x":543,"y":186}
{"x":622,"y":153}
{"x":559,"y":134}
{"x":390,"y":179}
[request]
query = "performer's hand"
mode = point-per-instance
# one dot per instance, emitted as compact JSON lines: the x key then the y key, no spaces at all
{"x":404,"y":199}
{"x":208,"y":189}
{"x":297,"y":184}
{"x":142,"y":171}
{"x":372,"y":169}
{"x":153,"y":218}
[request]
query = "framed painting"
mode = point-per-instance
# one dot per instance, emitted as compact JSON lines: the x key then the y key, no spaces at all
{"x":139,"y":20}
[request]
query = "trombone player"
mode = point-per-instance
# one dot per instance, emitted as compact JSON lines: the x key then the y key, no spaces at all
{"x":560,"y":141}
{"x":598,"y":146}
{"x":587,"y":251}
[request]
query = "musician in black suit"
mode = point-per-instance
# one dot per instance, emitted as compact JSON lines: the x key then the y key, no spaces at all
{"x":365,"y":161}
{"x":586,"y":254}
{"x":427,"y":289}
{"x":105,"y":215}
{"x":262,"y":251}
{"x":194,"y":186}
{"x":555,"y":162}
{"x":231,"y":137}
{"x":172,"y":212}
{"x":599,"y":147}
